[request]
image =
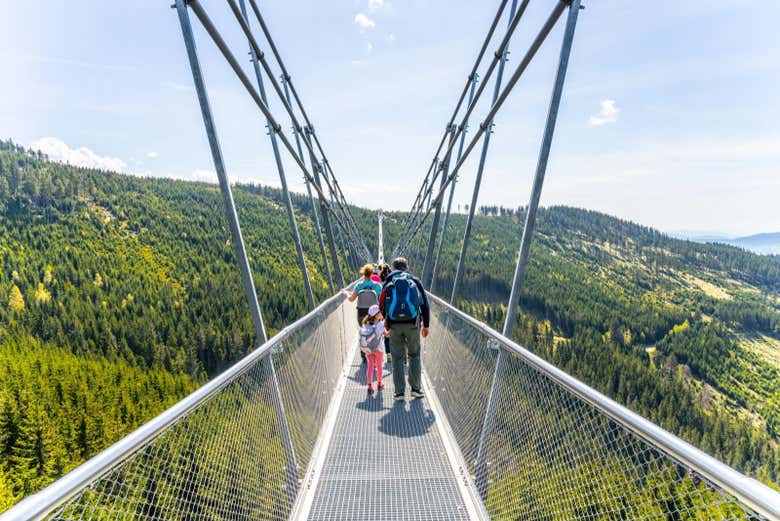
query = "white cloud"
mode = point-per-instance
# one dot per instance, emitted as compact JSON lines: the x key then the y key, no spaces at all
{"x":391,"y":37}
{"x":369,"y":47}
{"x":373,"y":5}
{"x":152,"y":154}
{"x":608,"y":114}
{"x":202,"y":174}
{"x":58,"y":150}
{"x":364,"y":22}
{"x":181,"y":87}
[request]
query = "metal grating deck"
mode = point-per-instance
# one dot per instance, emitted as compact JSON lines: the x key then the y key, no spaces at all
{"x":386,"y":460}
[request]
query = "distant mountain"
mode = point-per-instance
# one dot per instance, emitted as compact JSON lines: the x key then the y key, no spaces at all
{"x":700,"y":236}
{"x":761,"y":243}
{"x":765,"y":243}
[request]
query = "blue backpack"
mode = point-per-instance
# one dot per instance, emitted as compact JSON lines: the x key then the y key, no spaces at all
{"x":402,"y":300}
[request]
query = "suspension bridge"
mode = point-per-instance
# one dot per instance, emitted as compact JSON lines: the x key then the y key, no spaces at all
{"x":288,"y":432}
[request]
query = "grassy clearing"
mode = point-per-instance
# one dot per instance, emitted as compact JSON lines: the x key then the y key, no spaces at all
{"x":764,"y":346}
{"x":709,"y":289}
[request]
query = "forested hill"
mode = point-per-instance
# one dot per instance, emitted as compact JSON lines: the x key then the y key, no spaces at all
{"x":118,"y":295}
{"x":686,"y":334}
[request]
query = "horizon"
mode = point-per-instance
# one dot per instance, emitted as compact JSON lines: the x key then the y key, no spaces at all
{"x":700,"y":236}
{"x":669,"y":121}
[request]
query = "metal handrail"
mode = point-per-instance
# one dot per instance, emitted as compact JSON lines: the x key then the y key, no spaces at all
{"x":754,"y":494}
{"x":757,"y":496}
{"x":42,"y":503}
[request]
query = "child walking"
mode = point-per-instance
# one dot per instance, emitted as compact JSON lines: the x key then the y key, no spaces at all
{"x":372,"y":334}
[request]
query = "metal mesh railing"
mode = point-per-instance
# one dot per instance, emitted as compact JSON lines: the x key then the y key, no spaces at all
{"x":538,"y":443}
{"x":200,"y":467}
{"x":552,"y":452}
{"x":308,"y":365}
{"x":222,"y":452}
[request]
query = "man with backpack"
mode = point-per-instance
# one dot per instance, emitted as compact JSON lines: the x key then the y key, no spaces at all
{"x":407,"y":316}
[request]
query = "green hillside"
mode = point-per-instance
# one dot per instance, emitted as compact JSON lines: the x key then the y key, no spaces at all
{"x":111,"y":275}
{"x":119,"y":295}
{"x":686,"y":334}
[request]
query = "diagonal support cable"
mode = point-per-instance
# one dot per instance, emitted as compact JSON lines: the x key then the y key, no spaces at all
{"x":488,"y":424}
{"x":288,"y":80}
{"x":315,"y":214}
{"x":208,"y":25}
{"x":537,"y":43}
{"x":291,"y":465}
{"x":436,"y":262}
{"x":498,"y":56}
{"x":469,"y":82}
{"x":283,"y":180}
{"x":480,"y":170}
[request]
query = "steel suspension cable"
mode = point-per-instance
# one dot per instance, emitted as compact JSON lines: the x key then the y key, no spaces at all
{"x":427,"y":262}
{"x":288,"y":79}
{"x":283,"y":179}
{"x":291,"y":465}
{"x":470,"y":80}
{"x":449,"y":201}
{"x":315,"y":214}
{"x":540,"y":38}
{"x":222,"y":46}
{"x":345,"y":206}
{"x":481,"y":471}
{"x":326,"y":221}
{"x":514,"y":22}
{"x":261,"y":57}
{"x":478,"y":181}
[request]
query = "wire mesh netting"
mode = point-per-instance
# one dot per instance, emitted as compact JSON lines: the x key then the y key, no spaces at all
{"x":226,"y":458}
{"x":550,"y":454}
{"x":308,"y":366}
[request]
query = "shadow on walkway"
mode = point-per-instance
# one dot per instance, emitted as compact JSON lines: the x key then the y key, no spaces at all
{"x":407,"y":420}
{"x":373,"y":402}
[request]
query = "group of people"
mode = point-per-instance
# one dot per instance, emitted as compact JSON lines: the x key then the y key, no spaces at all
{"x":392,"y":313}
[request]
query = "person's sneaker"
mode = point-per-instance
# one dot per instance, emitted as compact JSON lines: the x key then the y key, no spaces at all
{"x":380,"y":386}
{"x":417,"y":393}
{"x":370,"y":389}
{"x":399,"y":397}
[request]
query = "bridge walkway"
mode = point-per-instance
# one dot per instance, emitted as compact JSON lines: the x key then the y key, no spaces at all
{"x":385,"y":460}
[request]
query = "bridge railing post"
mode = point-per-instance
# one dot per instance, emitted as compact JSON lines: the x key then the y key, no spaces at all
{"x":380,"y":256}
{"x":291,"y":474}
{"x":481,"y":470}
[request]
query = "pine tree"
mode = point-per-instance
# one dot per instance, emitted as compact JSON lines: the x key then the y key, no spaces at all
{"x":16,"y":299}
{"x":34,"y":455}
{"x":7,"y":496}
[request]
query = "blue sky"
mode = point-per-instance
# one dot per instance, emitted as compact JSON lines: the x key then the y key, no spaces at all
{"x":670,"y":115}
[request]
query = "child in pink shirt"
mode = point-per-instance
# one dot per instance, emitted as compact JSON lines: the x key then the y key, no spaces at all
{"x":371,"y":343}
